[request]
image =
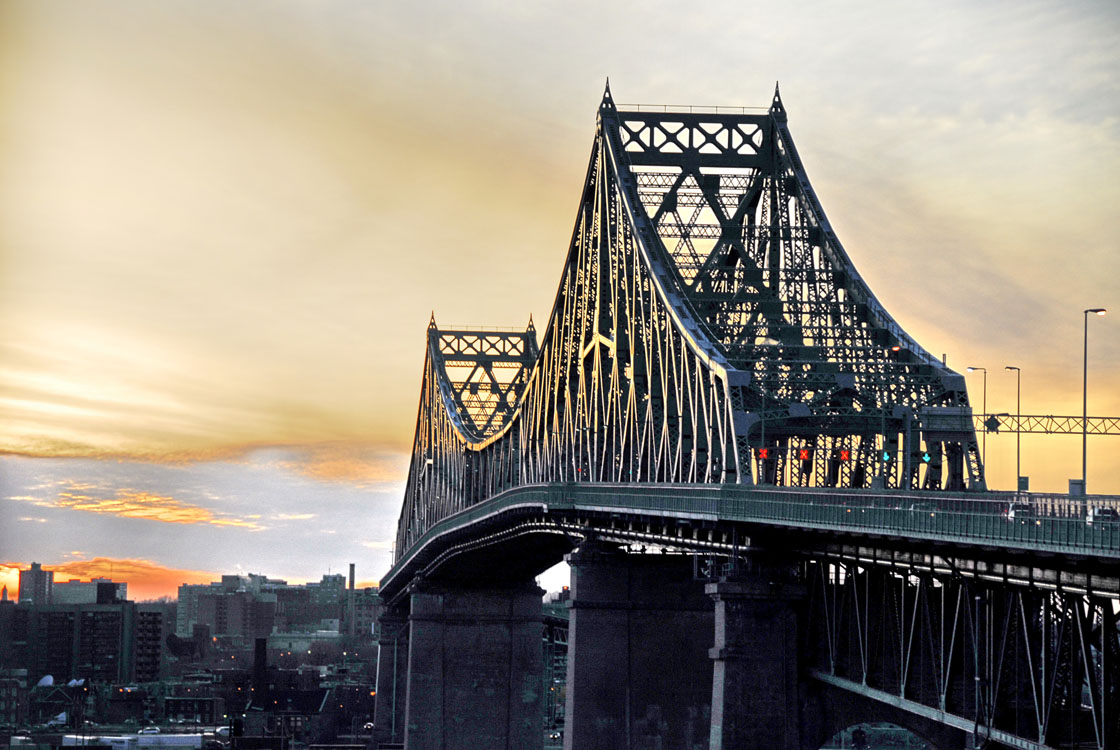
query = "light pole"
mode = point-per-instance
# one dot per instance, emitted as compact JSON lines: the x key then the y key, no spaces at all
{"x":1100,"y":311}
{"x":984,"y":449}
{"x":1018,"y":420}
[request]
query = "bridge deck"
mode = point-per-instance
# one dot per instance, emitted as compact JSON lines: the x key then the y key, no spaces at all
{"x":1054,"y":524}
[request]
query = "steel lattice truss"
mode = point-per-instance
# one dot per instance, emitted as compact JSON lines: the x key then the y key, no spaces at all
{"x":706,"y":311}
{"x":1049,"y":424}
{"x":1020,"y":665}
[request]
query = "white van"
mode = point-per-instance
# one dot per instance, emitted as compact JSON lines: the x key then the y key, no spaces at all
{"x":1102,"y":517}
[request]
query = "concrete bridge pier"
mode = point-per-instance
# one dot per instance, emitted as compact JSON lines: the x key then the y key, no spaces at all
{"x":756,"y":695}
{"x":475,"y":668}
{"x":639,"y":675}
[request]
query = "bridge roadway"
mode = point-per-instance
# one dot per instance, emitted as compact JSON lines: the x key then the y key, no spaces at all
{"x":896,"y":584}
{"x":968,"y":523}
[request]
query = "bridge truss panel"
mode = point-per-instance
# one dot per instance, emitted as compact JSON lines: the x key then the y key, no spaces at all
{"x":1018,"y":665}
{"x":708,"y":328}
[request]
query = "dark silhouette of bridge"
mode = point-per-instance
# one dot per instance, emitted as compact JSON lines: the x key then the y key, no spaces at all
{"x":771,"y":496}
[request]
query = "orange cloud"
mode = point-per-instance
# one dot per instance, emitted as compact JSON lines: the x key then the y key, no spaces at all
{"x":353,"y":462}
{"x":145,"y":579}
{"x":135,"y":504}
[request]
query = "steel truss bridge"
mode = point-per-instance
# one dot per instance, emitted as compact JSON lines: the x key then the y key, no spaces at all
{"x":716,"y":381}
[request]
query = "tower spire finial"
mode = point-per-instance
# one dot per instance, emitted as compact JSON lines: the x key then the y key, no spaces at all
{"x":777,"y":109}
{"x":608,"y":100}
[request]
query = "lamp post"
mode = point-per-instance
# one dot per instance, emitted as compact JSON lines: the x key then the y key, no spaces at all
{"x":1018,"y":420}
{"x":984,"y":449}
{"x":1100,"y":311}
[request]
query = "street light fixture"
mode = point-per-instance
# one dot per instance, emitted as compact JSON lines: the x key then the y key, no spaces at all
{"x":1099,"y":311}
{"x":984,"y":449}
{"x":1018,"y":420}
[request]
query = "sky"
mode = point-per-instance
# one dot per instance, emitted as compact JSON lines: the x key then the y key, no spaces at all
{"x":224,"y":227}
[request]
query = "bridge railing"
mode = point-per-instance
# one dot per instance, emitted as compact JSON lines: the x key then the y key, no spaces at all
{"x":1044,"y":522}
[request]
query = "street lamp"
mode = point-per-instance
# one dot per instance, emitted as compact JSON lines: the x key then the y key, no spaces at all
{"x":1018,"y":420}
{"x":1100,"y":311}
{"x":984,"y":449}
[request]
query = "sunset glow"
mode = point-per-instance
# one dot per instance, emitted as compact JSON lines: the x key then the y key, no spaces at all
{"x":146,"y":580}
{"x":224,"y":229}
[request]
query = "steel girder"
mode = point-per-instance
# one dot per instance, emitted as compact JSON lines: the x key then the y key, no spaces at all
{"x":1015,"y":664}
{"x":1048,"y":424}
{"x":706,"y":310}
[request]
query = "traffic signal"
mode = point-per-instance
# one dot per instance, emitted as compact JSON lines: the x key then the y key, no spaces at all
{"x":763,"y":453}
{"x":886,"y":456}
{"x":803,"y":454}
{"x":926,"y":457}
{"x":845,"y":454}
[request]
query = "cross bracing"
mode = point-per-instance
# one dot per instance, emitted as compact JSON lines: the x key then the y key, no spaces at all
{"x":1048,"y":424}
{"x":709,"y":327}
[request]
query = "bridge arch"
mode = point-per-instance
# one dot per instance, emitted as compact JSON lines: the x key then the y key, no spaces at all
{"x":833,"y":710}
{"x":863,"y":735}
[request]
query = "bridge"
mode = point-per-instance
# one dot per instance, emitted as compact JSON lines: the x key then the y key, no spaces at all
{"x":771,"y":497}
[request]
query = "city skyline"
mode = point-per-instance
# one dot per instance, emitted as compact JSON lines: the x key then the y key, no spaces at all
{"x":224,"y":231}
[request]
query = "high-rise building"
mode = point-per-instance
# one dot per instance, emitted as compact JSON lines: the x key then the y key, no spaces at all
{"x":35,"y":585}
{"x":81,"y":641}
{"x":93,"y":591}
{"x":366,"y":610}
{"x":238,"y":616}
{"x":154,"y":622}
{"x":185,"y":614}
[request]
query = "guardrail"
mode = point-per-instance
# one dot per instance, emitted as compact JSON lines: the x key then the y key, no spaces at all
{"x":1045,"y":523}
{"x":1032,"y":522}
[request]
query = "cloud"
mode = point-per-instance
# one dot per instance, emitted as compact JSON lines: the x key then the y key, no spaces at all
{"x":128,"y":503}
{"x":357,"y":463}
{"x":294,"y":516}
{"x":36,"y":520}
{"x":385,"y":544}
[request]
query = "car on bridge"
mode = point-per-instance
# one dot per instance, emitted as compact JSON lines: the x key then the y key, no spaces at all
{"x":1102,"y":517}
{"x":1021,"y":512}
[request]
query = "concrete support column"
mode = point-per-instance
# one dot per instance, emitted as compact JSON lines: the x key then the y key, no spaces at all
{"x":639,"y":675}
{"x":392,"y":678}
{"x":475,"y":669}
{"x":755,"y":687}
